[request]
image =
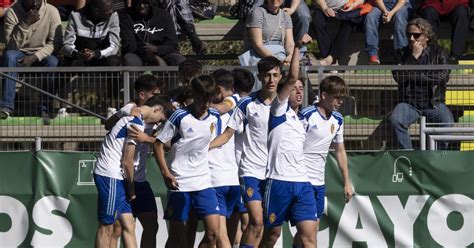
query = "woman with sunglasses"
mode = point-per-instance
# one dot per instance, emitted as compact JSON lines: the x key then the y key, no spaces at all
{"x":421,"y":92}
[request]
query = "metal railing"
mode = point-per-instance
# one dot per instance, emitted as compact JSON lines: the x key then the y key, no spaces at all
{"x":372,"y":89}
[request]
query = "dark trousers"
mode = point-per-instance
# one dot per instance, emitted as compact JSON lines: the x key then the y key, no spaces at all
{"x":113,"y":60}
{"x":459,"y":19}
{"x":336,"y":47}
{"x":172,"y":59}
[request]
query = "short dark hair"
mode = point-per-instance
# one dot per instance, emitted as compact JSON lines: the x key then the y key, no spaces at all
{"x":147,"y":82}
{"x":162,"y":100}
{"x":181,"y":94}
{"x":333,"y":86}
{"x":224,"y":78}
{"x":188,"y":69}
{"x":268,"y":63}
{"x":243,"y":80}
{"x":203,"y":87}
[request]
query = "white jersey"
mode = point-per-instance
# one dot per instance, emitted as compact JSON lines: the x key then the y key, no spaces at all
{"x":286,"y":137}
{"x":109,"y":161}
{"x":142,"y":148}
{"x":222,"y":162}
{"x":238,"y":137}
{"x":252,"y":114}
{"x":190,"y":139}
{"x":320,"y":133}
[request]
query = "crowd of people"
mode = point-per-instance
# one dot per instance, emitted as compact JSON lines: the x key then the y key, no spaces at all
{"x":239,"y":161}
{"x":145,"y":32}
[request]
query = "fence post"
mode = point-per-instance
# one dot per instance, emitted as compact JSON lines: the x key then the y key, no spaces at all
{"x":37,"y":144}
{"x":422,"y":133}
{"x":126,"y":87}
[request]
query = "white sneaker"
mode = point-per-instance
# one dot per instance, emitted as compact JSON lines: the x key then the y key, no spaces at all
{"x":62,"y":113}
{"x":110,"y":112}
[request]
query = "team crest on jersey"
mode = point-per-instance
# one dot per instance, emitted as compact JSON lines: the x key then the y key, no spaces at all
{"x":272,"y":218}
{"x":249,"y":191}
{"x":212,"y":127}
{"x":332,"y":128}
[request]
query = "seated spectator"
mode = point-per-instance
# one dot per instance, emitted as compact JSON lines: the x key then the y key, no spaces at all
{"x":148,"y":36}
{"x":93,"y":36}
{"x":458,"y":13}
{"x":388,"y":11}
{"x":269,"y":32}
{"x":300,"y":16}
{"x":184,"y":22}
{"x":421,"y":92}
{"x":25,"y":48}
{"x":350,"y":13}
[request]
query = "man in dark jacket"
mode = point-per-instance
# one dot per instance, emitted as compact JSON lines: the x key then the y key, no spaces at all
{"x":92,"y":36}
{"x":421,"y":92}
{"x":148,"y":36}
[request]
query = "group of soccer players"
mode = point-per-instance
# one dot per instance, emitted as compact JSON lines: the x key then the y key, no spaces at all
{"x":258,"y":157}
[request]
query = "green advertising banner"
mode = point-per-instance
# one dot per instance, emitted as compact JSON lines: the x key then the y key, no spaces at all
{"x":403,"y":199}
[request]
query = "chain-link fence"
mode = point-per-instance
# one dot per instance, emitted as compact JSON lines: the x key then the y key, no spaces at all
{"x":40,"y":121}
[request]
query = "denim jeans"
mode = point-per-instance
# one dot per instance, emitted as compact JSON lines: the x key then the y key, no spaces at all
{"x":371,"y":28}
{"x":10,"y":59}
{"x":406,"y":114}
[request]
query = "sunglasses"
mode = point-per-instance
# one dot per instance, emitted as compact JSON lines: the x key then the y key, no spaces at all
{"x":415,"y":35}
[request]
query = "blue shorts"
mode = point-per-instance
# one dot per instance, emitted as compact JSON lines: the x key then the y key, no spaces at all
{"x":240,"y":207}
{"x":203,"y":202}
{"x":145,"y":201}
{"x":285,"y":201}
{"x":252,"y":189}
{"x":112,"y":200}
{"x":228,"y":197}
{"x":319,"y":193}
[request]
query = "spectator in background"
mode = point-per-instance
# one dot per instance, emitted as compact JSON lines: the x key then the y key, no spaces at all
{"x":269,"y":32}
{"x":300,"y":16}
{"x":388,"y":11}
{"x":421,"y":92}
{"x":148,"y":36}
{"x":92,"y":36}
{"x":458,"y":13}
{"x":350,"y":13}
{"x":184,"y":22}
{"x":32,"y":32}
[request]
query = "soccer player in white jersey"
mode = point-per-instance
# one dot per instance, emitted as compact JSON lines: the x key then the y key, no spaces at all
{"x":288,"y":192}
{"x":325,"y":126}
{"x":187,"y":177}
{"x":144,"y":206}
{"x":114,"y":173}
{"x":243,"y":84}
{"x":253,"y":112}
{"x":222,"y":163}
